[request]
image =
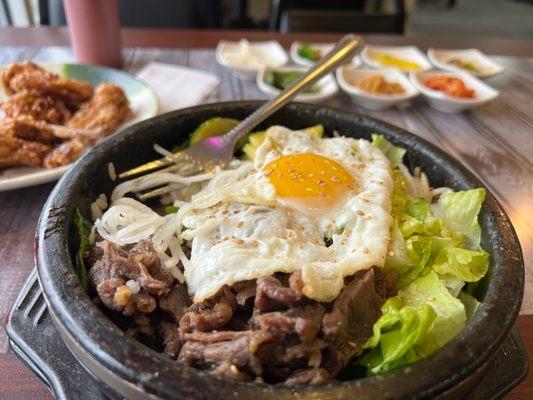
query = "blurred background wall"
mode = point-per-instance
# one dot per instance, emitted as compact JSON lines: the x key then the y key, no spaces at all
{"x":498,"y":18}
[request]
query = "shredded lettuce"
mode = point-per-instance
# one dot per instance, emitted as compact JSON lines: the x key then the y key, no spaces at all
{"x":435,"y":250}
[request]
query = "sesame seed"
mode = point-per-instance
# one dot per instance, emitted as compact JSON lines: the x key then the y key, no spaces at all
{"x":240,"y":224}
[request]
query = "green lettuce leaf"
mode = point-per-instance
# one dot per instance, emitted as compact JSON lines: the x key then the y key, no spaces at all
{"x":398,"y":258}
{"x":467,"y":265}
{"x":422,"y":318}
{"x":430,"y":290}
{"x":398,"y":336}
{"x":470,"y":302}
{"x":393,"y":153}
{"x":459,"y":212}
{"x":435,"y":249}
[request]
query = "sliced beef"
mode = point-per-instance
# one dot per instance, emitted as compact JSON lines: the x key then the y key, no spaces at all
{"x":227,"y":370}
{"x":175,"y":302}
{"x":349,"y":324}
{"x":295,"y":344}
{"x":301,"y":321}
{"x":244,"y":291}
{"x":272,"y":295}
{"x":171,"y":339}
{"x":309,"y":377}
{"x":215,"y":336}
{"x":240,"y":351}
{"x":116,"y":265}
{"x":386,"y":282}
{"x":209,"y":315}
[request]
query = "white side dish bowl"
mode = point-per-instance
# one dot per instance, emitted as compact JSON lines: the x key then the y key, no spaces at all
{"x":451,"y":104}
{"x":407,"y":53}
{"x":375,"y":101}
{"x":245,"y":58}
{"x":323,"y":48}
{"x":487,"y":67}
{"x":327,"y":87}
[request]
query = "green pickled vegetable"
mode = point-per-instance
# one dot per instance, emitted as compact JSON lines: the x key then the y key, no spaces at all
{"x":82,"y":232}
{"x":282,"y":80}
{"x":171,"y":209}
{"x":307,"y":51}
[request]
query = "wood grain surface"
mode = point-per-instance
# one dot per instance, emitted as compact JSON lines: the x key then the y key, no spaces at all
{"x":194,"y":38}
{"x":495,"y":142}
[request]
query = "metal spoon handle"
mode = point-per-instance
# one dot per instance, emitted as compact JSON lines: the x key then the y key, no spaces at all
{"x":346,"y":48}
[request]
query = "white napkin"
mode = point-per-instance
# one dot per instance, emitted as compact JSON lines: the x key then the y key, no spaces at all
{"x":177,"y":86}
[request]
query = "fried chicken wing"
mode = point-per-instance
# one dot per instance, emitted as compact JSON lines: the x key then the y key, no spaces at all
{"x":28,"y":76}
{"x":15,"y":151}
{"x":39,"y":107}
{"x":26,"y":128}
{"x":104,"y":112}
{"x":18,"y":68}
{"x":64,"y":154}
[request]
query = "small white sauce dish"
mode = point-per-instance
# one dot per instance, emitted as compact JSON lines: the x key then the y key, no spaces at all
{"x":451,"y":104}
{"x":407,"y":53}
{"x":348,"y":74}
{"x":323,"y":48}
{"x":486,"y":67}
{"x":327,"y":87}
{"x":245,"y":58}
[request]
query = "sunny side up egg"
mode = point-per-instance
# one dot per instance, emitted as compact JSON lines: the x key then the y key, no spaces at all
{"x":319,"y":205}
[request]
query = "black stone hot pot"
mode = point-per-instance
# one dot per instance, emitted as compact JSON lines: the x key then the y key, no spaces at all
{"x":126,"y":368}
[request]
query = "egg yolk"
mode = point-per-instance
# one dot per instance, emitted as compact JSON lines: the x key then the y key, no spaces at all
{"x":309,"y":182}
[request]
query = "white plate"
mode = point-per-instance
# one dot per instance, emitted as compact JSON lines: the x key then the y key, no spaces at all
{"x":407,"y":53}
{"x":323,"y":48}
{"x":446,"y":103}
{"x":375,"y":101}
{"x":270,"y":51}
{"x":143,"y":103}
{"x":441,"y":58}
{"x":327,"y":86}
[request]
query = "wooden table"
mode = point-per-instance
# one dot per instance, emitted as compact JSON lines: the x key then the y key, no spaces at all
{"x":495,"y":142}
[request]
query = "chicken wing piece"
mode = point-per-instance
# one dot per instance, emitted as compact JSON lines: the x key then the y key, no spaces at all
{"x":26,"y":128}
{"x":39,"y":107}
{"x":104,"y":112}
{"x":14,"y":152}
{"x":64,"y":154}
{"x":28,"y":76}
{"x":15,"y":69}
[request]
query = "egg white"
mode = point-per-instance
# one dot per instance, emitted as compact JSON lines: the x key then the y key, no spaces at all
{"x":239,"y":229}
